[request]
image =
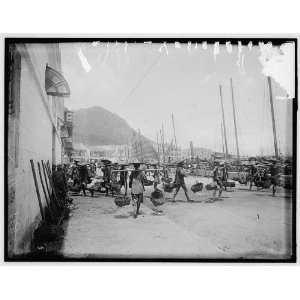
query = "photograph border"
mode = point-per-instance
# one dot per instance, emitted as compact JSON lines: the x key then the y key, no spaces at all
{"x":234,"y":40}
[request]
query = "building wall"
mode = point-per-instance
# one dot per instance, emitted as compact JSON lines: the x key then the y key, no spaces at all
{"x":38,"y":130}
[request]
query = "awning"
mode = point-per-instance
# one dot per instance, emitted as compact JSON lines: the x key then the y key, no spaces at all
{"x":56,"y":84}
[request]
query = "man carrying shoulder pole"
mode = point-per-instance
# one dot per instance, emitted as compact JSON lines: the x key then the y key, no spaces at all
{"x":179,"y":182}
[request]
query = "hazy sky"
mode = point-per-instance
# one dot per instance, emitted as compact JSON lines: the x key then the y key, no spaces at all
{"x":144,"y":86}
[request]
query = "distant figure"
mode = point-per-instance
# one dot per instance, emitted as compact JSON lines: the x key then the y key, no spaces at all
{"x":123,"y":178}
{"x":83,"y":177}
{"x":224,"y":175}
{"x":217,"y":179}
{"x":274,"y":170}
{"x":179,"y":182}
{"x":107,"y":178}
{"x":136,"y":183}
{"x":252,"y":175}
{"x":60,"y":182}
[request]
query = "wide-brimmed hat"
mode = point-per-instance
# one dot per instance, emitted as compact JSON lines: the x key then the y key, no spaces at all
{"x":136,"y":164}
{"x":106,"y":161}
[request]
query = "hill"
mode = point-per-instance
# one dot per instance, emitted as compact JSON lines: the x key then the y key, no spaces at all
{"x":96,"y":126}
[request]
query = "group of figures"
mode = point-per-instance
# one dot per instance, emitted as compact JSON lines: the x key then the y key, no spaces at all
{"x":110,"y":178}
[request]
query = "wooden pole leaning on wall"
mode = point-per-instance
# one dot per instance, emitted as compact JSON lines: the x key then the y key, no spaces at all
{"x":37,"y":190}
{"x":52,"y":184}
{"x":44,"y":190}
{"x":46,"y":180}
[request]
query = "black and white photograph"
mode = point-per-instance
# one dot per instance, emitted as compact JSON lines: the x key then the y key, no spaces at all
{"x":150,"y":149}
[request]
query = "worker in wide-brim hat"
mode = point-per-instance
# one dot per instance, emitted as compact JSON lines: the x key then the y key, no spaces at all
{"x":179,"y":181}
{"x":123,"y":177}
{"x":180,"y":164}
{"x":136,"y":184}
{"x":107,"y":176}
{"x":217,"y":180}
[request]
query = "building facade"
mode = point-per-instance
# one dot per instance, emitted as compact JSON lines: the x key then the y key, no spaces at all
{"x":35,"y":117}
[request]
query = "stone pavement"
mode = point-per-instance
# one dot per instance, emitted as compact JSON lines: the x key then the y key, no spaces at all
{"x":100,"y":229}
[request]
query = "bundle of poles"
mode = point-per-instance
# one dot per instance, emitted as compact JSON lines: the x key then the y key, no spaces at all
{"x":54,"y":209}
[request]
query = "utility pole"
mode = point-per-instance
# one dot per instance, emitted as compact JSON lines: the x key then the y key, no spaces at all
{"x":273,"y":117}
{"x":234,"y":119}
{"x":224,"y":126}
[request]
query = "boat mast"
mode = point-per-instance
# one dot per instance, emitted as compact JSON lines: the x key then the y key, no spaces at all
{"x":234,"y":119}
{"x":141,"y":147}
{"x":157,"y":142}
{"x":162,"y":142}
{"x":222,"y":136}
{"x":224,"y":126}
{"x":273,"y":116}
{"x":135,"y":145}
{"x":175,"y":140}
{"x":192,"y":151}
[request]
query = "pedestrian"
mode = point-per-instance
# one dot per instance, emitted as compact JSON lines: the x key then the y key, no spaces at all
{"x":60,"y":182}
{"x":224,"y":176}
{"x":83,"y":178}
{"x":107,"y":177}
{"x":136,"y":184}
{"x":275,"y":176}
{"x":218,"y":181}
{"x":123,"y":178}
{"x":179,"y":182}
{"x":252,"y":175}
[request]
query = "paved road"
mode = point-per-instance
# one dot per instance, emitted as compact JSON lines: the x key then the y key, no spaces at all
{"x":99,"y":229}
{"x":242,"y":224}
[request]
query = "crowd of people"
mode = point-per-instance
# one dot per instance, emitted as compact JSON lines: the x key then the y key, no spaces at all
{"x":115,"y":179}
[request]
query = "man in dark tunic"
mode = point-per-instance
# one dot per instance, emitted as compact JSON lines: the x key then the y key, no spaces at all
{"x":252,"y":174}
{"x":217,"y":179}
{"x":83,"y":177}
{"x":274,"y":170}
{"x":179,"y":182}
{"x":107,"y":177}
{"x":224,"y":175}
{"x":60,"y":182}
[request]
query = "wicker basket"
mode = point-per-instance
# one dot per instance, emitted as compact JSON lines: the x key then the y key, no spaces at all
{"x":229,"y":184}
{"x":116,"y":187}
{"x":211,"y":187}
{"x":197,"y":187}
{"x":122,"y":201}
{"x":168,"y":188}
{"x":148,"y":182}
{"x":157,"y":197}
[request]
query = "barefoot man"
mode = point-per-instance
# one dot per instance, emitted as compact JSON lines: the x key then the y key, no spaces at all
{"x":179,"y":181}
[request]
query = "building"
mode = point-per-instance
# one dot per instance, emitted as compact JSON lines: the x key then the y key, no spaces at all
{"x":34,"y":100}
{"x":67,"y":137}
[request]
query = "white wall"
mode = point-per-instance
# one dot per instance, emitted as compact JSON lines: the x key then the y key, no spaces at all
{"x":35,"y":142}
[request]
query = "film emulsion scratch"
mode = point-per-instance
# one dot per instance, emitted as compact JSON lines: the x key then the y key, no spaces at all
{"x":150,"y":149}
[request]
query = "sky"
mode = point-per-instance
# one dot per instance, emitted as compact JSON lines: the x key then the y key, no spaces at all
{"x":146,"y":83}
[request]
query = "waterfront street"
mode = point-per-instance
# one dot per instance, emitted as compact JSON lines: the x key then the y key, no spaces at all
{"x":241,"y":224}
